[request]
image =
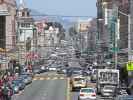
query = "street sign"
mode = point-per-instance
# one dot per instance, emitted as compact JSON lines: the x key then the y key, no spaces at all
{"x":114,"y":49}
{"x":130,"y":66}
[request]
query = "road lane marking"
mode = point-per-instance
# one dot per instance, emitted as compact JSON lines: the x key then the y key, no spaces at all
{"x":68,"y":90}
{"x":35,"y":79}
{"x":62,"y":78}
{"x":48,"y":78}
{"x":55,"y":78}
{"x":42,"y":78}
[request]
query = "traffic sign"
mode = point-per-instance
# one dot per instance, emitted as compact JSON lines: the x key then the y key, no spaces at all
{"x":130,"y":66}
{"x":114,"y":49}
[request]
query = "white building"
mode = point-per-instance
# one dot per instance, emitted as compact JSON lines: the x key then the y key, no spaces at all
{"x":24,"y":27}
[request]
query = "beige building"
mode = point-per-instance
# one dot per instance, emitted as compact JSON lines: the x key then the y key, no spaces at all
{"x":7,"y":31}
{"x":7,"y":24}
{"x":82,"y":25}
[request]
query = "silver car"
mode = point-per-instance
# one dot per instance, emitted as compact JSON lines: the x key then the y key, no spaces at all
{"x":108,"y":91}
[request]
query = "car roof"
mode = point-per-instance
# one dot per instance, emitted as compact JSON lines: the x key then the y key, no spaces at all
{"x":87,"y":88}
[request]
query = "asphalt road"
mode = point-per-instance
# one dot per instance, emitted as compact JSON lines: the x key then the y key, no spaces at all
{"x":51,"y":88}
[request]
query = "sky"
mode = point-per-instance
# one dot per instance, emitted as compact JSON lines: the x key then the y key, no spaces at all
{"x":64,"y":7}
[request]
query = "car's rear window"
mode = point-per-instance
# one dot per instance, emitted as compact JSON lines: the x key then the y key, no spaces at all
{"x":88,"y":90}
{"x":109,"y":87}
{"x":79,"y":79}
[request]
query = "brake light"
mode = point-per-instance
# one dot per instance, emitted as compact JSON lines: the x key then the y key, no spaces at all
{"x":81,"y":94}
{"x":93,"y":95}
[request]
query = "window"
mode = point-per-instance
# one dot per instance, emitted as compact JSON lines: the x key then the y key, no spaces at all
{"x":28,"y":14}
{"x":1,"y":1}
{"x":22,"y":25}
{"x":23,"y":14}
{"x":27,"y":25}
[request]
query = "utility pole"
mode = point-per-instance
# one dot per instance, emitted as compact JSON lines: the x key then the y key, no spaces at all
{"x":115,"y":46}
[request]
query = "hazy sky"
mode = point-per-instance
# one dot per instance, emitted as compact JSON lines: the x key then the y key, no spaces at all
{"x":64,"y":7}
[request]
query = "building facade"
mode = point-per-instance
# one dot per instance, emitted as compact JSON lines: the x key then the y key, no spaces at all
{"x":25,"y":25}
{"x":106,"y":12}
{"x":7,"y":31}
{"x":47,"y":36}
{"x":7,"y":24}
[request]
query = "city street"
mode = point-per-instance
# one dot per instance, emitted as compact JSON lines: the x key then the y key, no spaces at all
{"x":47,"y":88}
{"x":66,"y":50}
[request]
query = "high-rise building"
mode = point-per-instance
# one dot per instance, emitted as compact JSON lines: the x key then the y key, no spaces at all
{"x":105,"y":14}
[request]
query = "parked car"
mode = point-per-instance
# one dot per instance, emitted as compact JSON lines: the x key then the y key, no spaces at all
{"x":87,"y":94}
{"x":28,"y":74}
{"x":18,"y":85}
{"x":26,"y":79}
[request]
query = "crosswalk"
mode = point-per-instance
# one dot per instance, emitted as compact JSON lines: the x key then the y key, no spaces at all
{"x":50,"y":77}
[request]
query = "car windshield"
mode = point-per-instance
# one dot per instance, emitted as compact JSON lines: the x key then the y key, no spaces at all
{"x":88,"y":90}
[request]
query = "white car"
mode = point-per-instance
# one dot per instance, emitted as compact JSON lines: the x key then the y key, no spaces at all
{"x":87,"y":94}
{"x":108,"y":91}
{"x":52,"y":68}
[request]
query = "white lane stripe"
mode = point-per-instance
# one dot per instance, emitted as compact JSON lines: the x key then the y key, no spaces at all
{"x":48,"y":78}
{"x":62,"y":78}
{"x":55,"y":78}
{"x":42,"y":78}
{"x":35,"y":79}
